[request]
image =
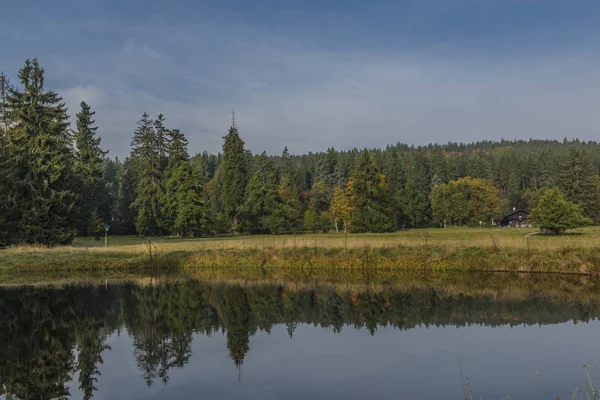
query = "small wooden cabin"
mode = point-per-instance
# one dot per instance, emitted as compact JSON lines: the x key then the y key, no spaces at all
{"x":516,"y":219}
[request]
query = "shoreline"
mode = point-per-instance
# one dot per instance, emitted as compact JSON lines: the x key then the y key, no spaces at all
{"x":297,"y":262}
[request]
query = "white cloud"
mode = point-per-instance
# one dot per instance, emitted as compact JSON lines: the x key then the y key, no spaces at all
{"x":91,"y":94}
{"x":308,"y":100}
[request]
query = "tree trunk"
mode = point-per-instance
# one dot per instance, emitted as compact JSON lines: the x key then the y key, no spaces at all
{"x":336,"y":227}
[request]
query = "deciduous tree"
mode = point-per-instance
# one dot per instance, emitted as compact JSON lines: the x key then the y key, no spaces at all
{"x":340,"y":209}
{"x":556,"y":214}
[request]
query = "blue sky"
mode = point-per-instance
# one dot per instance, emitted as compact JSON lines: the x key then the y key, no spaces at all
{"x":313,"y":74}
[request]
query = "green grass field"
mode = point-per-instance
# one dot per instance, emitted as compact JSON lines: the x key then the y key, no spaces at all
{"x":125,"y":250}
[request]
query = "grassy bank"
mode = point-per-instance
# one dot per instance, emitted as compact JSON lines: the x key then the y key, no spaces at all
{"x":453,"y":249}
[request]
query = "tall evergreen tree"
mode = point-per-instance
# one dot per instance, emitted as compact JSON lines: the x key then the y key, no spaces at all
{"x":547,"y":165}
{"x":123,"y":213}
{"x":38,"y":201}
{"x":439,"y":166}
{"x":187,"y":202}
{"x":92,"y":191}
{"x":177,"y":147}
{"x":368,"y":194}
{"x":289,"y":208}
{"x":177,"y":154}
{"x":207,"y":165}
{"x":396,"y":179}
{"x":214,"y":190}
{"x":579,"y":183}
{"x":148,"y":162}
{"x":4,"y":86}
{"x":417,"y":189}
{"x":234,"y":175}
{"x":262,"y":199}
{"x":4,"y":90}
{"x":185,"y":210}
{"x":162,"y":140}
{"x":316,"y":217}
{"x":326,"y":167}
{"x":286,"y":165}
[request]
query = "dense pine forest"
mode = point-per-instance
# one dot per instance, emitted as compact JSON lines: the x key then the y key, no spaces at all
{"x":57,"y":181}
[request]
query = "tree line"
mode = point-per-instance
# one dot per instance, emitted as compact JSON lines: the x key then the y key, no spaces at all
{"x":57,"y":182}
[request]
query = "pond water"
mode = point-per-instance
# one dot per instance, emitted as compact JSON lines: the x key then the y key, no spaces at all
{"x":184,"y":338}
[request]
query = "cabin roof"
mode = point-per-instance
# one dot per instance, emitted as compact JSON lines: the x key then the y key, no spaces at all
{"x":516,"y":212}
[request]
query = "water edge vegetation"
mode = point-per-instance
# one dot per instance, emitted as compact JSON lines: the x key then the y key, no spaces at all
{"x":453,"y":249}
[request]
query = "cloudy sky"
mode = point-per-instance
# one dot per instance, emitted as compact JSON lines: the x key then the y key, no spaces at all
{"x":311,"y":74}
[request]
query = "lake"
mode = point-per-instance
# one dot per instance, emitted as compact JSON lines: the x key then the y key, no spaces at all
{"x":178,"y":337}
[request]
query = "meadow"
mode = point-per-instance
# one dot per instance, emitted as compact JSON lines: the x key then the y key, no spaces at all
{"x":460,"y":237}
{"x":479,"y":249}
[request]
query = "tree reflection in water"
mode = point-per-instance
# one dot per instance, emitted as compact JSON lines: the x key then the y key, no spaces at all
{"x":49,"y":334}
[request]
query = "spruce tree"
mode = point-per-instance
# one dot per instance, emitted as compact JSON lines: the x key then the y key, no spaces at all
{"x":416,"y":190}
{"x":368,"y":194}
{"x":394,"y":174}
{"x":207,"y":164}
{"x":162,"y":141}
{"x":326,"y":167}
{"x":286,"y":165}
{"x":316,"y":217}
{"x":148,"y":162}
{"x":439,"y":166}
{"x":579,"y":183}
{"x":124,"y":214}
{"x":289,"y":207}
{"x":339,"y":175}
{"x":4,"y":86}
{"x":187,"y":202}
{"x":180,"y":179}
{"x":234,"y":175}
{"x":177,"y":147}
{"x":214,"y":190}
{"x":92,"y":191}
{"x":4,"y":90}
{"x":38,"y":205}
{"x":262,"y":200}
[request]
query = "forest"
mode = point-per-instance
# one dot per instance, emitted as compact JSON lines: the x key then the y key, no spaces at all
{"x":57,"y":181}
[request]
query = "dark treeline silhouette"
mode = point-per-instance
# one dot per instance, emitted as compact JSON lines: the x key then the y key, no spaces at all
{"x":56,"y":182}
{"x":48,"y":334}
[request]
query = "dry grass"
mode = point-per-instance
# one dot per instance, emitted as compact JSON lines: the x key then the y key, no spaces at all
{"x":451,"y":237}
{"x":130,"y":250}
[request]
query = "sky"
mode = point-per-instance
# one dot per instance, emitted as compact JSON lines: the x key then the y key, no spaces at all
{"x":314,"y":74}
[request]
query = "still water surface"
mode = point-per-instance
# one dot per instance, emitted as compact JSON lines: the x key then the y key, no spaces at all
{"x":194,"y":339}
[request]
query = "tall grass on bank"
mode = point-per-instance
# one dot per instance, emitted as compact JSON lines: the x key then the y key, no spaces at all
{"x":300,"y":261}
